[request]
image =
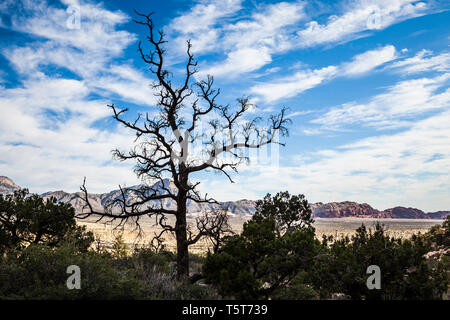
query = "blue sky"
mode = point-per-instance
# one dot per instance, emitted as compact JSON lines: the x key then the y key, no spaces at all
{"x":366,"y":83}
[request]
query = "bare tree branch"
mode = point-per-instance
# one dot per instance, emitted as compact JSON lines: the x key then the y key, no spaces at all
{"x":164,"y":155}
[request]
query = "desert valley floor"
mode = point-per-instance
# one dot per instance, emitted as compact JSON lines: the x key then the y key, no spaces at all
{"x":404,"y":228}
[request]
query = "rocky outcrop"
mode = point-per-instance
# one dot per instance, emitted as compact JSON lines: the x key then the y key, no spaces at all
{"x":357,"y":210}
{"x":343,"y":209}
{"x":7,"y":186}
{"x":439,"y":214}
{"x":405,"y":213}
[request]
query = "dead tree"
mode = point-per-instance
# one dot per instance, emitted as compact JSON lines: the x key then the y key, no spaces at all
{"x":162,"y":149}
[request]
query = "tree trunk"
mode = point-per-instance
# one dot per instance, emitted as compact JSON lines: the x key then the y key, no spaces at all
{"x":182,"y":242}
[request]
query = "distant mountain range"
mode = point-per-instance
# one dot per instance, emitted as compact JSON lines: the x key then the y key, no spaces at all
{"x":242,"y":208}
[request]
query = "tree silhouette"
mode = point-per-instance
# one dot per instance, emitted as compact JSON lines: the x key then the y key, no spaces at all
{"x":163,"y":146}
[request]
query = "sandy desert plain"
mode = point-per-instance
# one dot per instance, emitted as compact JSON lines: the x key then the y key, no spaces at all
{"x":107,"y":231}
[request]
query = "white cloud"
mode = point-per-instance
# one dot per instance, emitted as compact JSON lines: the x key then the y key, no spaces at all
{"x":27,"y":60}
{"x":293,"y":85}
{"x":97,"y":26}
{"x":306,"y":79}
{"x":213,"y":26}
{"x":46,"y":133}
{"x":384,"y":171}
{"x":198,"y":24}
{"x":424,"y":61}
{"x":128,"y":83}
{"x":360,"y":16}
{"x":393,"y":108}
{"x":269,"y":28}
{"x":49,"y":130}
{"x":90,"y":59}
{"x":369,"y":60}
{"x":408,"y":168}
{"x":401,"y":102}
{"x":250,"y":43}
{"x":204,"y":15}
{"x":238,"y":62}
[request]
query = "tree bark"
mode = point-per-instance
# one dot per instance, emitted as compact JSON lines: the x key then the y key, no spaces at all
{"x":181,"y":235}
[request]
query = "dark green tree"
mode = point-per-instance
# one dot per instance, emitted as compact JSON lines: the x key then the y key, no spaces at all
{"x":29,"y":219}
{"x":289,"y":212}
{"x":438,"y":237}
{"x":274,"y":246}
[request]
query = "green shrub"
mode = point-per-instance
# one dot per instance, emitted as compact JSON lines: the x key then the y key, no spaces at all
{"x":39,"y":272}
{"x":405,"y":273}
